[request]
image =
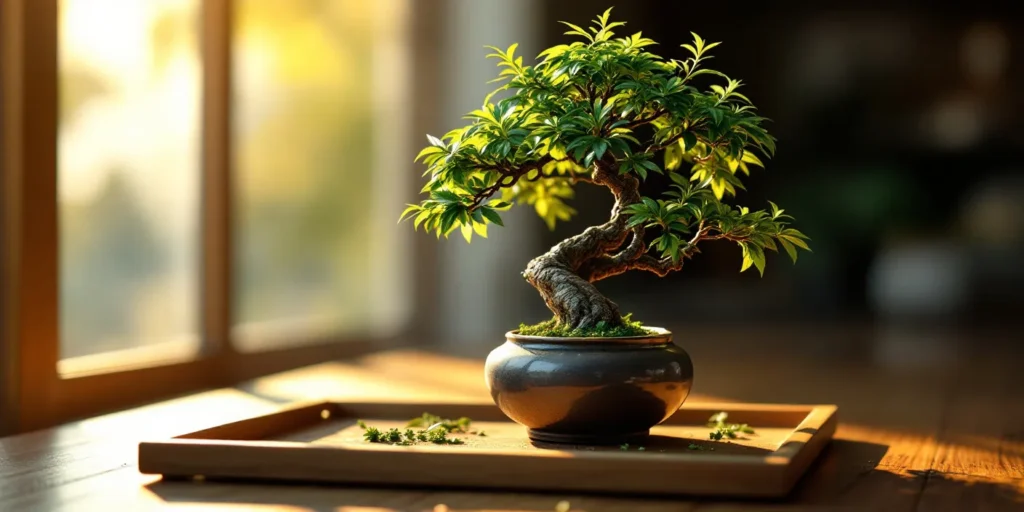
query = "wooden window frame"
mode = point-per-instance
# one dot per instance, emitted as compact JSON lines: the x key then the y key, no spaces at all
{"x":33,"y":394}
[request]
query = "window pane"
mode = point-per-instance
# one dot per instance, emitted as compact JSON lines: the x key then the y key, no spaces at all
{"x":130,"y":84}
{"x":317,"y":248}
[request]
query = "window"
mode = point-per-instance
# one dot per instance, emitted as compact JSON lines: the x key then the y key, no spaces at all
{"x":130,"y":79}
{"x":197,"y":192}
{"x":312,"y":258}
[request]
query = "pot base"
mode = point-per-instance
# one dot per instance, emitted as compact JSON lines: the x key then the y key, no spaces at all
{"x":552,"y":438}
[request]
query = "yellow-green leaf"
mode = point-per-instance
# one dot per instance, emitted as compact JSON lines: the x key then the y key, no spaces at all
{"x":751,"y":158}
{"x":429,"y":150}
{"x":796,"y":241}
{"x":755,"y":253}
{"x":411,"y":208}
{"x":542,"y":206}
{"x":673,"y":157}
{"x":733,"y":164}
{"x":789,"y":249}
{"x":747,"y":262}
{"x":420,"y":218}
{"x":718,"y":187}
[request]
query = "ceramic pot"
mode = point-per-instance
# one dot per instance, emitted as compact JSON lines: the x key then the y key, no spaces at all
{"x":594,"y":391}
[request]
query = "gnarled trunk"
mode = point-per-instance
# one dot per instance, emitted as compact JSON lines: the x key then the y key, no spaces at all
{"x":574,"y":300}
{"x":564,"y":275}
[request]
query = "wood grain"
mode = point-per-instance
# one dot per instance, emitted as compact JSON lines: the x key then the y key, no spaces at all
{"x":914,"y":438}
{"x":323,"y":443}
{"x":979,"y":455}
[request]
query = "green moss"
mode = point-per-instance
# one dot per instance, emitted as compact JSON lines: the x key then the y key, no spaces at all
{"x":436,"y":431}
{"x":550,"y":328}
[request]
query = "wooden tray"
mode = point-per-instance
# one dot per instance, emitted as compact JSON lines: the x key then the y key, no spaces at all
{"x":322,"y":442}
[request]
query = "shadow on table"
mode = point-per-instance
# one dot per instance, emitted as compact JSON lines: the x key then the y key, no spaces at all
{"x":846,"y":475}
{"x":673,"y":445}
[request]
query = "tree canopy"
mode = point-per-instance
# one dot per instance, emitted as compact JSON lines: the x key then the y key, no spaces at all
{"x":603,"y":100}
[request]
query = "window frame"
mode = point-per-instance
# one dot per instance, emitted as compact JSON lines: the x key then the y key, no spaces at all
{"x":33,"y":394}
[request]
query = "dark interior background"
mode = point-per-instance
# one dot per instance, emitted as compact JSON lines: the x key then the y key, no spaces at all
{"x":899,"y":153}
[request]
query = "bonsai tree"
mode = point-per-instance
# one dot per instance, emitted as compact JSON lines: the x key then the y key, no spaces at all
{"x":605,"y":111}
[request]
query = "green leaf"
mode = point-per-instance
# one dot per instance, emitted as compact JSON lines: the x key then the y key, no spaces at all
{"x":794,"y":233}
{"x":716,"y":115}
{"x":427,"y":151}
{"x":661,"y":242}
{"x":789,"y":249}
{"x":689,"y":140}
{"x":421,"y":217}
{"x":651,"y":205}
{"x":640,"y":171}
{"x":435,"y":141}
{"x":637,"y":220}
{"x":750,"y":158}
{"x":718,"y":186}
{"x":467,"y":232}
{"x":448,"y":218}
{"x":698,"y":42}
{"x":411,"y":208}
{"x":793,"y":239}
{"x":576,"y":30}
{"x":757,"y":255}
{"x":480,"y":228}
{"x":673,"y":248}
{"x":599,"y":147}
{"x":446,"y":196}
{"x":673,"y":157}
{"x":747,"y":262}
{"x":491,"y":215}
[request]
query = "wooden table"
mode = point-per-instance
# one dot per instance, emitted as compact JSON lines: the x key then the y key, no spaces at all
{"x":942,"y":432}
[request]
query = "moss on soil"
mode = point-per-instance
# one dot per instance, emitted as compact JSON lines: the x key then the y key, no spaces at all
{"x":550,"y":328}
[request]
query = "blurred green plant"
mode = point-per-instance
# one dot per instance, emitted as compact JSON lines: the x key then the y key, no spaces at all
{"x":603,"y":110}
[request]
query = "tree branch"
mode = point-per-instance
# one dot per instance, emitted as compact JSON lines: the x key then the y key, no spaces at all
{"x":635,"y":248}
{"x":572,"y":176}
{"x":654,"y":148}
{"x":608,"y":266}
{"x":644,"y":120}
{"x":509,"y":177}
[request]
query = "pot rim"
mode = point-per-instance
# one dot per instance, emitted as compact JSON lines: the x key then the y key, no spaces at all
{"x":660,"y":336}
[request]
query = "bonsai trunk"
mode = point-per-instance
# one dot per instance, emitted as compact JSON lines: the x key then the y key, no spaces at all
{"x":565,"y":274}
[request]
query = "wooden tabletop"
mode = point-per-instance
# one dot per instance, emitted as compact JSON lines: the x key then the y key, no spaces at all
{"x":928,"y":421}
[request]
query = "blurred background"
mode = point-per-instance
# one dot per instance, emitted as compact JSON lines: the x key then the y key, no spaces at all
{"x":900,"y":154}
